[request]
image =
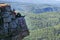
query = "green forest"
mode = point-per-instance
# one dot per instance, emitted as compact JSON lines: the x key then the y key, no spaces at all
{"x":43,"y":26}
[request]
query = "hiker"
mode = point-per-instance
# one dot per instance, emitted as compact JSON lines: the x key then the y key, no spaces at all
{"x":13,"y":14}
{"x":14,"y":11}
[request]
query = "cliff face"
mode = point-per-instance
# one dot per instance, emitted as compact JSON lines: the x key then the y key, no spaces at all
{"x":13,"y":26}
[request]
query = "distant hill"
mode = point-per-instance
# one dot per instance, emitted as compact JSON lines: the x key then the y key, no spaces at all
{"x":34,"y":8}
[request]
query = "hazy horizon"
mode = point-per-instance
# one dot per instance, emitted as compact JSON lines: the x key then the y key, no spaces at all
{"x":35,"y":1}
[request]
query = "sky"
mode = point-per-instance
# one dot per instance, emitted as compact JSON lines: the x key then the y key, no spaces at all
{"x":40,"y":1}
{"x":35,"y":1}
